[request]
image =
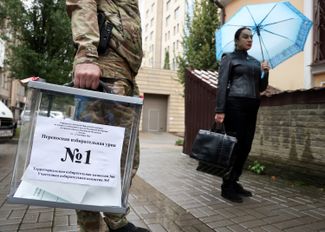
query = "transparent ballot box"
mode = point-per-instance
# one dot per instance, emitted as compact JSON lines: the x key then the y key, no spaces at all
{"x":76,"y":149}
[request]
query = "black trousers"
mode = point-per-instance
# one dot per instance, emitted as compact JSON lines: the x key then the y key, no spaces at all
{"x":240,"y":121}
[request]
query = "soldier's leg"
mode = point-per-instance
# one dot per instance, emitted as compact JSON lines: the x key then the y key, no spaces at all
{"x":114,"y":65}
{"x":123,"y":87}
{"x":86,"y":111}
{"x":88,"y":221}
{"x":136,"y":160}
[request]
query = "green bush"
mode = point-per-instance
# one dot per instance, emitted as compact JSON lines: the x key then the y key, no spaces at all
{"x":179,"y":142}
{"x":256,"y":167}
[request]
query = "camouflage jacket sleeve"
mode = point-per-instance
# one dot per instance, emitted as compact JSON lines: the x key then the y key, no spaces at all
{"x":84,"y":27}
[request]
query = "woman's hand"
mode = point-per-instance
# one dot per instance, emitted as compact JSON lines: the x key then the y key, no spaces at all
{"x":219,"y":117}
{"x":265,"y":66}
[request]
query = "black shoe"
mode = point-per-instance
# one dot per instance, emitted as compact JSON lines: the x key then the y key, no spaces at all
{"x":230,"y":194}
{"x":130,"y":228}
{"x":241,"y":191}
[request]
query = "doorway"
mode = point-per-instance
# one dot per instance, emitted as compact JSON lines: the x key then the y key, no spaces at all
{"x":154,"y":115}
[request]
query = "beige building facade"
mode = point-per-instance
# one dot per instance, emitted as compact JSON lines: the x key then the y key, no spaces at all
{"x":163,"y":29}
{"x":163,"y":106}
{"x":162,"y":32}
{"x":12,"y":92}
{"x":5,"y":80}
{"x":301,"y":71}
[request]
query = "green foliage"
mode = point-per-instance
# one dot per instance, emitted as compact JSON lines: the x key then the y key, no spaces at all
{"x":256,"y":167}
{"x":166,"y":61}
{"x":179,"y":142}
{"x":199,"y":39}
{"x":11,"y":8}
{"x":44,"y":43}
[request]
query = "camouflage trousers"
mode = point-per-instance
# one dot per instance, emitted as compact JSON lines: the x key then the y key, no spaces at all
{"x":111,"y":114}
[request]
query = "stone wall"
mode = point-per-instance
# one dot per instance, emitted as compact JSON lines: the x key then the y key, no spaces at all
{"x":290,"y":135}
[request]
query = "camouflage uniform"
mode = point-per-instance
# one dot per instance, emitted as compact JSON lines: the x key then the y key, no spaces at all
{"x":122,"y":62}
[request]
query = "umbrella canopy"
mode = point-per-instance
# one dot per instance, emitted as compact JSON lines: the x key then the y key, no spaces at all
{"x":279,"y":31}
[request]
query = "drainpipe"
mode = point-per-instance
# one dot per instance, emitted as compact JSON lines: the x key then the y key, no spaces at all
{"x":223,"y":13}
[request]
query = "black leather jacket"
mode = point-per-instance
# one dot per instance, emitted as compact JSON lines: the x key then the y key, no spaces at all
{"x":239,"y":76}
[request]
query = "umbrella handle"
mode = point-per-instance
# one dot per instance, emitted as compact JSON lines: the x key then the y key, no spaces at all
{"x":264,"y":70}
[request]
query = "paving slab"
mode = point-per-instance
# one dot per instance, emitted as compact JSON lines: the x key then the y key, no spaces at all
{"x":169,"y":194}
{"x":276,"y":205}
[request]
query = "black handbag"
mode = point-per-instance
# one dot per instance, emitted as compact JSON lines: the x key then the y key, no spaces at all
{"x":213,"y":147}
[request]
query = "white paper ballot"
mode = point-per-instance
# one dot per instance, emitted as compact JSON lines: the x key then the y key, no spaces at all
{"x":70,"y":193}
{"x":30,"y":191}
{"x":74,"y":162}
{"x":67,"y":151}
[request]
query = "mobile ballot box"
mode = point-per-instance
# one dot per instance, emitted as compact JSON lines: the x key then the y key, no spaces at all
{"x":76,"y":149}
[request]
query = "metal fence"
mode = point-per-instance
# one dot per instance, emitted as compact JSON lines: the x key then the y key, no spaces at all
{"x":200,"y":101}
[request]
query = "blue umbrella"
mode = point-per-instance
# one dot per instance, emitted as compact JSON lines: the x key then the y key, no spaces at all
{"x":279,"y":31}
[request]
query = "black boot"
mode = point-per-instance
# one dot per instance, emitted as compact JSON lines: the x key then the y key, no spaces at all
{"x":241,"y":191}
{"x":129,"y":228}
{"x":228,"y":191}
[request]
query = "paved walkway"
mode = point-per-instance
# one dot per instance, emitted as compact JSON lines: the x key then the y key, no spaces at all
{"x":170,"y":195}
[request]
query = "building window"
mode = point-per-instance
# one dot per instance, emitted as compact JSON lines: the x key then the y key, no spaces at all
{"x":2,"y":53}
{"x":176,"y":13}
{"x":319,"y":32}
{"x":6,"y":83}
{"x":1,"y":80}
{"x":167,"y":20}
{"x":167,"y":4}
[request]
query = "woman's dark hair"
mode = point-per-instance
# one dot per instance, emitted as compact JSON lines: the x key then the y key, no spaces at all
{"x":237,"y":33}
